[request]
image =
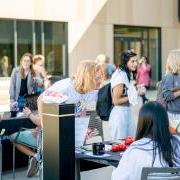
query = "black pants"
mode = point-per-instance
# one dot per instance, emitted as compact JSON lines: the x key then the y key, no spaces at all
{"x":143,"y":96}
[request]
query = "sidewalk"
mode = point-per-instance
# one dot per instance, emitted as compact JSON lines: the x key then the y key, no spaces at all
{"x":97,"y":174}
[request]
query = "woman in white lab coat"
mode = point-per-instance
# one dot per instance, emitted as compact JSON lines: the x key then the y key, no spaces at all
{"x":154,"y":145}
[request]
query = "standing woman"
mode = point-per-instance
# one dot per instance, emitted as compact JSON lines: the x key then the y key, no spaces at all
{"x":123,"y":94}
{"x":22,"y":82}
{"x":39,"y":67}
{"x":171,"y":85}
{"x":144,"y":76}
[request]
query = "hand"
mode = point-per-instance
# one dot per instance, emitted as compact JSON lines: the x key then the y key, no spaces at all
{"x":14,"y":106}
{"x":27,"y":111}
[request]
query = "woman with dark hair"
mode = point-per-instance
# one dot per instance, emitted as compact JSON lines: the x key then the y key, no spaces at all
{"x":124,"y":94}
{"x":154,"y":145}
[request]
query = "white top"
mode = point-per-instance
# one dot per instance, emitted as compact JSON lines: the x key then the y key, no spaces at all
{"x":66,"y":87}
{"x":120,"y":77}
{"x":134,"y":159}
{"x":82,"y":101}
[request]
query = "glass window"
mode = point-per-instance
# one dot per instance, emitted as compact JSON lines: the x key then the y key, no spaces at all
{"x":38,"y":37}
{"x":24,"y":38}
{"x":145,"y":41}
{"x":55,"y":48}
{"x":6,"y":48}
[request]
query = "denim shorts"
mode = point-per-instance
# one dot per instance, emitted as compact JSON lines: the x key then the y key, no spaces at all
{"x":25,"y":137}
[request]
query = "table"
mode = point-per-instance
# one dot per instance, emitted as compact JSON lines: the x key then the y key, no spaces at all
{"x":98,"y":161}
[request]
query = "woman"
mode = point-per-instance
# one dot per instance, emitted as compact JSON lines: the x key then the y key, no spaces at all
{"x":23,"y":82}
{"x":81,"y":90}
{"x":107,"y":68}
{"x":154,"y":145}
{"x":171,"y":86}
{"x":123,"y":94}
{"x":144,"y":76}
{"x":38,"y":65}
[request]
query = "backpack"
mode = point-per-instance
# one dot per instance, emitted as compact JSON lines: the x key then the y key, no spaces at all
{"x":104,"y":102}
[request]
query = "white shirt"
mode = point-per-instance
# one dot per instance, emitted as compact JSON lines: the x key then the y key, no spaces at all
{"x":134,"y":159}
{"x":82,"y":101}
{"x":120,"y":77}
{"x":66,"y":87}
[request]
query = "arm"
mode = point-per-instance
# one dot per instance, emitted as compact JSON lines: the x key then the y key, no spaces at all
{"x":117,"y":92}
{"x":167,"y":87}
{"x":34,"y":118}
{"x":176,"y":93}
{"x":12,"y":89}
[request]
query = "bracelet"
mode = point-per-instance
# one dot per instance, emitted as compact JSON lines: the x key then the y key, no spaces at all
{"x":29,"y":114}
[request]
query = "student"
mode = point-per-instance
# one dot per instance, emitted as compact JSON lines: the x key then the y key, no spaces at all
{"x":144,"y":76}
{"x":154,"y":145}
{"x":123,"y":80}
{"x":38,"y":65}
{"x":107,"y":68}
{"x":23,"y":81}
{"x":171,"y":85}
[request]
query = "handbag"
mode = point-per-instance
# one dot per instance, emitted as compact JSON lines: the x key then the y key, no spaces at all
{"x":30,"y":101}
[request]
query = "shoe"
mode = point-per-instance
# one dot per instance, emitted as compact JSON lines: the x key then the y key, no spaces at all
{"x":32,"y":169}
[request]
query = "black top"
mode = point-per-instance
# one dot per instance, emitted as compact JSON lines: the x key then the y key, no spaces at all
{"x":23,"y":89}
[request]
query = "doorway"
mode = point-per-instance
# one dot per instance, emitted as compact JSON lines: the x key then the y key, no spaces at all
{"x":145,"y":41}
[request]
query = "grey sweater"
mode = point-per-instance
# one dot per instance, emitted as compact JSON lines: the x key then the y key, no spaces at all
{"x":170,"y":83}
{"x":15,"y":83}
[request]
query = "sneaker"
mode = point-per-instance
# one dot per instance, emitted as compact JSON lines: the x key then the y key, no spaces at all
{"x":32,"y":169}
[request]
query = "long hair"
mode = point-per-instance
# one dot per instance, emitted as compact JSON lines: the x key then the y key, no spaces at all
{"x":125,"y":57}
{"x":85,"y":77}
{"x":173,"y":62}
{"x":102,"y":60}
{"x":37,"y":57}
{"x":153,"y":123}
{"x":31,"y":65}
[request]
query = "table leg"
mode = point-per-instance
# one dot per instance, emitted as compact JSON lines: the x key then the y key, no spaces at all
{"x":77,"y":170}
{"x":0,"y":159}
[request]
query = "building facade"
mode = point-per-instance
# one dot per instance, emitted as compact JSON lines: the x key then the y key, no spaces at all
{"x":68,"y":31}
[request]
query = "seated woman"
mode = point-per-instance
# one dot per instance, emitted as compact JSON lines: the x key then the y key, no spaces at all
{"x":81,"y":90}
{"x":154,"y":145}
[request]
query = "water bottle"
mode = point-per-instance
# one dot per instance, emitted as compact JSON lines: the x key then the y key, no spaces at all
{"x":14,"y":109}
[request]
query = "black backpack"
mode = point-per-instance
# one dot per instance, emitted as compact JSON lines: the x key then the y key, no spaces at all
{"x":104,"y":102}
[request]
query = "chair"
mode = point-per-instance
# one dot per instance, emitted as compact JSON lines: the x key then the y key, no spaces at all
{"x":96,"y":124}
{"x":156,"y":173}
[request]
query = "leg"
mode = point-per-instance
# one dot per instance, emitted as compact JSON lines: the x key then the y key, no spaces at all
{"x":144,"y":98}
{"x":24,"y":149}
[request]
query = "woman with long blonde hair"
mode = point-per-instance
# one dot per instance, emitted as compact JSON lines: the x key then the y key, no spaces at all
{"x":171,"y":85}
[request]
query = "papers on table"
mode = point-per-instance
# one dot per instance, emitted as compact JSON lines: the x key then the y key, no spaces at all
{"x":81,"y":126}
{"x":54,"y":97}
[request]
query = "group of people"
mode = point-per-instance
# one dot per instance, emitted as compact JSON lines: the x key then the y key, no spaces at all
{"x":155,"y":145}
{"x":153,"y":139}
{"x":29,"y":78}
